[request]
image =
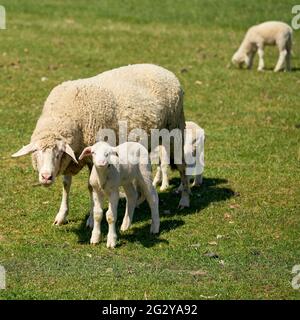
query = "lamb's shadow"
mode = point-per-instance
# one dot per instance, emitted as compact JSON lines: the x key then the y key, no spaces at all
{"x":209,"y":192}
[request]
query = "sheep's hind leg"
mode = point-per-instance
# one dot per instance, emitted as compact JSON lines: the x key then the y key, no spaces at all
{"x":288,"y":61}
{"x":61,"y":217}
{"x":152,"y":198}
{"x":131,"y":199}
{"x":281,"y":60}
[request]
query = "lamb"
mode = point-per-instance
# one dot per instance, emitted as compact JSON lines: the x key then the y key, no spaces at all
{"x":145,"y":96}
{"x":193,"y":147}
{"x":267,"y":33}
{"x":127,"y":165}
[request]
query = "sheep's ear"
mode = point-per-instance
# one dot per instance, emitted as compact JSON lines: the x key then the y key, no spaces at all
{"x":86,"y":153}
{"x":69,"y":151}
{"x":115,"y":150}
{"x":29,"y":148}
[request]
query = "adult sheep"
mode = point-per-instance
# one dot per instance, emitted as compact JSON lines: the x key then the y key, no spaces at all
{"x":146,"y":96}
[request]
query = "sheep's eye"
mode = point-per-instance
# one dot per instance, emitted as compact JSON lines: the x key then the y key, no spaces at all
{"x":105,"y":154}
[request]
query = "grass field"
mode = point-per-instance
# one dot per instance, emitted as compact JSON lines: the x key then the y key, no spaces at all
{"x":247,"y":211}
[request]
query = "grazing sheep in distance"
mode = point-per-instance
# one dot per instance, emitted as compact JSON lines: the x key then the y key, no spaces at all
{"x":257,"y":37}
{"x":145,"y":96}
{"x":193,"y":146}
{"x":127,"y":165}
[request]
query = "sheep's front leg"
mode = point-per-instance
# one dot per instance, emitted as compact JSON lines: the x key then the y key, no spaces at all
{"x":281,"y":60}
{"x":261,"y":63}
{"x":90,"y":220}
{"x":111,"y":217}
{"x":157,"y":178}
{"x":131,"y":199}
{"x":97,"y":215}
{"x":165,"y":179}
{"x":61,"y":216}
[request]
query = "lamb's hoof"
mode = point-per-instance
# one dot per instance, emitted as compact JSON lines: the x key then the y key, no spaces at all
{"x":60,"y":219}
{"x":184,"y":203}
{"x":111,"y":243}
{"x":164,"y":187}
{"x":125,"y":226}
{"x":90,"y":222}
{"x":122,"y":195}
{"x":154,"y":228}
{"x":95,"y":240}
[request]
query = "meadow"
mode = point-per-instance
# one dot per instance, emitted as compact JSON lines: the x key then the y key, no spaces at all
{"x":240,"y":237}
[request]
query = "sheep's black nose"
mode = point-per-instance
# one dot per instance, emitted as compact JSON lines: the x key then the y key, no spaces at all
{"x":47,"y":177}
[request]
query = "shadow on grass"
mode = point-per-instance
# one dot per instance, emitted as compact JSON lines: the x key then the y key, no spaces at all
{"x":209,"y":192}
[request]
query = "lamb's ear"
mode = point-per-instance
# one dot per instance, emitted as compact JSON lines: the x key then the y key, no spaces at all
{"x":85,"y":153}
{"x":115,"y":150}
{"x":71,"y":153}
{"x":29,"y":148}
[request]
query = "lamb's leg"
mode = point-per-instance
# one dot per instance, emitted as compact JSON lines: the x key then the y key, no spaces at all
{"x":288,"y":60}
{"x":131,"y":198}
{"x":61,"y":216}
{"x":261,"y":63}
{"x":249,"y":60}
{"x":281,"y":60}
{"x":152,"y":199}
{"x":165,"y":179}
{"x":164,"y":168}
{"x":97,"y":214}
{"x":157,"y":178}
{"x":185,"y":193}
{"x":198,"y":180}
{"x":180,"y":188}
{"x":111,"y":217}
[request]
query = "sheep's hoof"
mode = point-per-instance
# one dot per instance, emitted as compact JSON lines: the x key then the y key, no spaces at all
{"x":94,"y":240}
{"x":184,"y":203}
{"x":125,"y":226}
{"x":154,"y":229}
{"x":164,"y":187}
{"x":60,"y":219}
{"x":111,"y":243}
{"x":90,"y":222}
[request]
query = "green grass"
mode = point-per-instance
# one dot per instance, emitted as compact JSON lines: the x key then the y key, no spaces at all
{"x":251,"y":189}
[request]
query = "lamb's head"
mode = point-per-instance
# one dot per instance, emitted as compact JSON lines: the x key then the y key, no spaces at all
{"x":48,"y":158}
{"x":101,"y":153}
{"x":243,"y":56}
{"x":239,"y":58}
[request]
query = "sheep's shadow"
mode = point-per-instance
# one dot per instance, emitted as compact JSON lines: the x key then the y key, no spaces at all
{"x":209,"y":192}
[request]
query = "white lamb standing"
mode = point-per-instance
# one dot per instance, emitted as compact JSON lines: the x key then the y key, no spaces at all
{"x":127,"y":165}
{"x":193,"y":146}
{"x":145,"y":96}
{"x":257,"y":37}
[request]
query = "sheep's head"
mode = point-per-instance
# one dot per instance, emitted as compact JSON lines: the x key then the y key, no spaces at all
{"x":48,"y":159}
{"x":238,"y":59}
{"x":101,"y":152}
